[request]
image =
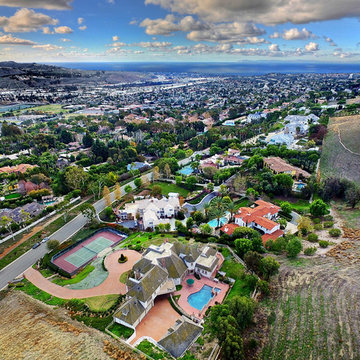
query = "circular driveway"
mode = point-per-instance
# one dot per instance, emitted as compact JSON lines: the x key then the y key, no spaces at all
{"x":111,"y":285}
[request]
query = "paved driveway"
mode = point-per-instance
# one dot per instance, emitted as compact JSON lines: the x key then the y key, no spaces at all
{"x":157,"y":321}
{"x":111,"y":285}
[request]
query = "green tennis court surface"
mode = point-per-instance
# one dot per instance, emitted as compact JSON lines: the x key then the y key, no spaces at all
{"x":87,"y":252}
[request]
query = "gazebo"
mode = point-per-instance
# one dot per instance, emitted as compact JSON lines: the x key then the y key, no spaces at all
{"x":190,"y":282}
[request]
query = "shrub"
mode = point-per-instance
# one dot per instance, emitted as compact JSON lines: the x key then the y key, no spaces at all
{"x":328,"y":224}
{"x":263,"y":286}
{"x":271,"y":318}
{"x":328,"y":218}
{"x":310,"y":251}
{"x":323,"y":243}
{"x":316,"y":221}
{"x":335,"y":232}
{"x":318,"y":227}
{"x":293,"y":247}
{"x":122,"y":259}
{"x":313,"y":237}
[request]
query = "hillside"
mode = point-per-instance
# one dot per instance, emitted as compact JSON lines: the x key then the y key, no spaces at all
{"x":341,"y":150}
{"x":16,"y":75}
{"x":32,"y":330}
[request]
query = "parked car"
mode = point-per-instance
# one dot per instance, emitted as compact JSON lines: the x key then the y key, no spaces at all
{"x":45,"y":239}
{"x":36,"y":245}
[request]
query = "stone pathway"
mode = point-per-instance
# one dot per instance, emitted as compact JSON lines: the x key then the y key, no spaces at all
{"x":111,"y":285}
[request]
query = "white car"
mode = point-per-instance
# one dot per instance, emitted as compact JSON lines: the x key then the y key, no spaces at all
{"x":45,"y":239}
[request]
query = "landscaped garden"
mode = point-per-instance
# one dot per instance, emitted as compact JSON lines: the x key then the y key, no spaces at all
{"x":121,"y":331}
{"x":167,"y":188}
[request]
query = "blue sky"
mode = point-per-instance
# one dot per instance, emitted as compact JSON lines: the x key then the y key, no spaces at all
{"x":179,"y":30}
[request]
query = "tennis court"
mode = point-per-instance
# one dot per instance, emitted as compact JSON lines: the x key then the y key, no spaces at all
{"x":87,"y":250}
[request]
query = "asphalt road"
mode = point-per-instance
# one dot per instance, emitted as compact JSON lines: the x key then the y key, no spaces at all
{"x":18,"y":266}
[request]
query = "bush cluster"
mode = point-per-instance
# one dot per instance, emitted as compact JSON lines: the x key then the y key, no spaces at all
{"x":335,"y":232}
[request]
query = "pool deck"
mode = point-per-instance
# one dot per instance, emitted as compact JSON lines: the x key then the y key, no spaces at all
{"x":187,"y":290}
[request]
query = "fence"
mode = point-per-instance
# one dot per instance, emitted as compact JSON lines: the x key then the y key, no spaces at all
{"x":35,"y":223}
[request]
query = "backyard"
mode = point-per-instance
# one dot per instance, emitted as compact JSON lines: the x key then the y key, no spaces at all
{"x":169,"y":187}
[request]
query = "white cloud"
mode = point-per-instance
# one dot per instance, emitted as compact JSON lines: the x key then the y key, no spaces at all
{"x":330,"y":41}
{"x":296,"y":34}
{"x":275,"y":35}
{"x":343,"y":55}
{"x":82,"y":28}
{"x":47,"y":31}
{"x":80,"y":20}
{"x":39,"y":4}
{"x":25,"y":20}
{"x":312,"y":46}
{"x":10,"y":40}
{"x":47,"y":47}
{"x":63,"y":30}
{"x":226,"y":32}
{"x":274,"y":47}
{"x":118,"y":44}
{"x":115,"y":38}
{"x":263,"y":11}
{"x":65,"y":40}
{"x":154,"y":44}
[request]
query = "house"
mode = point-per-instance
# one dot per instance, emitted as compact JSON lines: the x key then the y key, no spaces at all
{"x":280,"y":166}
{"x":17,"y":169}
{"x":260,"y":218}
{"x":24,"y":187}
{"x":228,"y":229}
{"x":157,"y":273}
{"x":299,"y":124}
{"x":152,"y":211}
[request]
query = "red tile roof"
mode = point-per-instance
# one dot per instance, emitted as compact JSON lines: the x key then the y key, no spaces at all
{"x":276,"y":234}
{"x":229,"y":228}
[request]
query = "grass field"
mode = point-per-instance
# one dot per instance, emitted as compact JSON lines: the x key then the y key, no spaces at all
{"x":146,"y":239}
{"x":351,"y":217}
{"x":76,"y":279}
{"x":315,"y":311}
{"x":168,"y":187}
{"x":121,"y":331}
{"x":336,"y":160}
{"x":101,"y":303}
{"x":53,"y":109}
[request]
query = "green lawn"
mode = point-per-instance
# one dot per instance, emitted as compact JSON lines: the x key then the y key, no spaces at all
{"x":146,"y":239}
{"x":168,"y":188}
{"x":124,"y":276}
{"x":53,"y":108}
{"x":101,"y":303}
{"x":12,"y":196}
{"x":242,"y":203}
{"x":121,"y":331}
{"x":151,"y":350}
{"x":350,"y":216}
{"x":77,"y":278}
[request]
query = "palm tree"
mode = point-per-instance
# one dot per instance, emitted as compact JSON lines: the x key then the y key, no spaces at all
{"x":217,"y":213}
{"x":207,"y":208}
{"x":231,"y":207}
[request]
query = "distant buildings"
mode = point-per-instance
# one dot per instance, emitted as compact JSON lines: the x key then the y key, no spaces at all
{"x":18,"y":169}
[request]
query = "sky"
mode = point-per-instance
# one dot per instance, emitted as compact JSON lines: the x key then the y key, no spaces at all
{"x":179,"y":30}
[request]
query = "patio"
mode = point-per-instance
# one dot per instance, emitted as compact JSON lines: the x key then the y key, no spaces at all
{"x":187,"y":290}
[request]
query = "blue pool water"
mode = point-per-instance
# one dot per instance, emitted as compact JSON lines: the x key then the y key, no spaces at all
{"x":214,"y":222}
{"x":199,"y":299}
{"x":186,"y":170}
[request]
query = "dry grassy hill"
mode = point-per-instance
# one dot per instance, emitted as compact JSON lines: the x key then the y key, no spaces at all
{"x":341,"y":150}
{"x":32,"y":330}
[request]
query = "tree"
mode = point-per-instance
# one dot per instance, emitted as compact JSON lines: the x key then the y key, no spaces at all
{"x":189,"y":222}
{"x":24,"y":215}
{"x":6,"y":222}
{"x":210,"y":186}
{"x":156,"y":173}
{"x":76,"y":177}
{"x":242,"y":309}
{"x":232,"y":347}
{"x":88,"y":211}
{"x":231,"y":208}
{"x":87,"y":140}
{"x":352,"y":195}
{"x":167,"y":227}
{"x":107,"y":196}
{"x":180,"y":227}
{"x":206,"y":229}
{"x":286,"y":207}
{"x":207,"y":208}
{"x":283,"y":183}
{"x":318,"y":208}
{"x":167,"y":171}
{"x":117,"y":192}
{"x":128,"y":189}
{"x":156,"y":191}
{"x":52,"y":244}
{"x":178,"y":180}
{"x":138,"y":183}
{"x":304,"y":225}
{"x":190,"y":182}
{"x":242,"y":246}
{"x":252,"y":194}
{"x":252,"y":260}
{"x":293,"y":247}
{"x":198,"y":217}
{"x":269,"y":266}
{"x":145,"y":181}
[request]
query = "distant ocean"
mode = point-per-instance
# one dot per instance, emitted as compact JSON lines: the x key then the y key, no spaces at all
{"x":244,"y":69}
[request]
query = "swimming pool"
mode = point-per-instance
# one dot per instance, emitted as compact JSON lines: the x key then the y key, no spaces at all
{"x":201,"y":298}
{"x":186,"y":170}
{"x":214,"y":222}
